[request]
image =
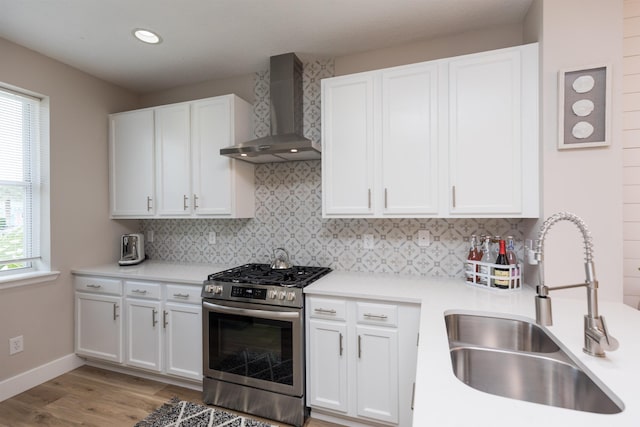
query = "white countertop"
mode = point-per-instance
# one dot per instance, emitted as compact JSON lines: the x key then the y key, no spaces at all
{"x":442,"y":400}
{"x":160,"y":271}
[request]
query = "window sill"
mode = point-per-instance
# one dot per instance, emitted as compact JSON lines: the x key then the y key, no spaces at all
{"x":15,"y":280}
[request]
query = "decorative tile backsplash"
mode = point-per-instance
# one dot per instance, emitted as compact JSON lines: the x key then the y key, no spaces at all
{"x":289,"y":215}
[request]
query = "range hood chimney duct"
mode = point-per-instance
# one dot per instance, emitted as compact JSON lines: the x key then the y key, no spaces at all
{"x":286,"y":142}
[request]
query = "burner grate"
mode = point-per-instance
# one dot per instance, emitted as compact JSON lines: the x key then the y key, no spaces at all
{"x":263,"y":274}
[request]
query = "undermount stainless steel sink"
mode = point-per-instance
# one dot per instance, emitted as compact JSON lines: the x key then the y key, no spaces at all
{"x":520,"y":360}
{"x":498,"y":332}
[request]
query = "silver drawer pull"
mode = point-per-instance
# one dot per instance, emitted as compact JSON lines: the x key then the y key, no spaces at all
{"x":324,"y":310}
{"x":139,"y":291}
{"x":181,"y":295}
{"x":91,"y":285}
{"x":376,"y":316}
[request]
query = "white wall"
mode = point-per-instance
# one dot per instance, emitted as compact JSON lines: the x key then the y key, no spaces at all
{"x":631,"y":152}
{"x":81,"y":232}
{"x":587,"y":182}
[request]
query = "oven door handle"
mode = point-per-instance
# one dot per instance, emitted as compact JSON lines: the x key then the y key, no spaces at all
{"x":262,"y":314}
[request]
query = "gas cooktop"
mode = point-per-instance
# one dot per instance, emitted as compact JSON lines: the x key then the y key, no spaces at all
{"x":263,"y":274}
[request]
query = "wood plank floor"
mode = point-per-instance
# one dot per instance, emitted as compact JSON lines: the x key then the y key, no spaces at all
{"x":90,"y":396}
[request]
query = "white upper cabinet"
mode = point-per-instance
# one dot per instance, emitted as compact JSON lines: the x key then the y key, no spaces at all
{"x":183,"y":166}
{"x":456,"y":137}
{"x":348,"y":145}
{"x":221,"y":186}
{"x":409,"y":145}
{"x":493,"y":136}
{"x":131,"y":160}
{"x":173,"y":160}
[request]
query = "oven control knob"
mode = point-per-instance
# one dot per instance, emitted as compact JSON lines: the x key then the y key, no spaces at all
{"x":281,"y":295}
{"x":217,"y":290}
{"x":273,"y":294}
{"x":291,"y":296}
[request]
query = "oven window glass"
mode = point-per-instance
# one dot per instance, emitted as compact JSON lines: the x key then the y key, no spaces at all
{"x":251,"y":347}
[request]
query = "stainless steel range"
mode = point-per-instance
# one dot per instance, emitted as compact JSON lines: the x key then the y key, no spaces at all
{"x":253,"y":340}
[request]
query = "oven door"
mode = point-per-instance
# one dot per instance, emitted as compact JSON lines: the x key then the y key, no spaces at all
{"x":255,"y":345}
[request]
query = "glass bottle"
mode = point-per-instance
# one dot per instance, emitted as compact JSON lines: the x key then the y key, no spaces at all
{"x":513,"y":259}
{"x":487,"y":259}
{"x":474,"y":255}
{"x":503,"y":276}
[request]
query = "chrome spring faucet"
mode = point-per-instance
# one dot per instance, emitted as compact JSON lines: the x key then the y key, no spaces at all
{"x":596,"y":336}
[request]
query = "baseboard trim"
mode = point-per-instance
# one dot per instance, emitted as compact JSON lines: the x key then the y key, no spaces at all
{"x":38,"y":375}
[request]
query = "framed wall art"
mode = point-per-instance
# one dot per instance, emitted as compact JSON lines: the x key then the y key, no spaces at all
{"x":584,"y":107}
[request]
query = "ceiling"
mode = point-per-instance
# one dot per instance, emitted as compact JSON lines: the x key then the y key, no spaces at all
{"x":212,"y":39}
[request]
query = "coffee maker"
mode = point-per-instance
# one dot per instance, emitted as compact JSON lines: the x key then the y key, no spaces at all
{"x":131,"y":249}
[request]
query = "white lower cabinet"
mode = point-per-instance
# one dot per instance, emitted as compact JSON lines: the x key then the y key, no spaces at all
{"x":183,"y":337}
{"x":361,"y":359}
{"x":157,"y":326}
{"x":377,"y":373}
{"x":98,"y":331}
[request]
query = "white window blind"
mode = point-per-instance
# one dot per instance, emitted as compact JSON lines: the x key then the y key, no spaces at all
{"x":19,"y":181}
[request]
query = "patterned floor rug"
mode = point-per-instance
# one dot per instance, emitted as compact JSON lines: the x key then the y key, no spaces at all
{"x":179,"y":413}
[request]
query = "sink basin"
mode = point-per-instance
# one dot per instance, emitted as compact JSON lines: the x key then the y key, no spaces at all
{"x":498,"y":332}
{"x":518,"y":359}
{"x":531,"y":378}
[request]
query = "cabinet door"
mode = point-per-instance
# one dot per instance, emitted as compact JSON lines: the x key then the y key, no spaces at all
{"x":131,"y":158}
{"x":183,"y":332}
{"x":348,"y":145}
{"x":173,"y":170}
{"x":485,"y":115}
{"x":409,"y":153}
{"x":328,"y":365}
{"x":144,"y":334}
{"x":99,"y":326}
{"x":212,"y":183}
{"x":377,"y":373}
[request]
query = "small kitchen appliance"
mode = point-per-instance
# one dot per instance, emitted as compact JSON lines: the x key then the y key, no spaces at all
{"x":131,"y":249}
{"x":253,"y":340}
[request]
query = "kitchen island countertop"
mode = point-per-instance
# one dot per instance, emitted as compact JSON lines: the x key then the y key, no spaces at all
{"x":442,"y":400}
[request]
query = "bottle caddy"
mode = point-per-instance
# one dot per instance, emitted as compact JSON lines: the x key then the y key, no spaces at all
{"x":490,"y":269}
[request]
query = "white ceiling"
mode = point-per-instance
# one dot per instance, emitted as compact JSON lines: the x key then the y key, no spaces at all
{"x":210,"y":39}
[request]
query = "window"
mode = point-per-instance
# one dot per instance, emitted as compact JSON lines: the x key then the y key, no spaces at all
{"x":20,"y":183}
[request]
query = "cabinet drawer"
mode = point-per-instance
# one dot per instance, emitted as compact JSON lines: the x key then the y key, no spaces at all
{"x":325,"y":308}
{"x":142,"y":290}
{"x":98,"y":285}
{"x":377,"y":314}
{"x":186,"y":294}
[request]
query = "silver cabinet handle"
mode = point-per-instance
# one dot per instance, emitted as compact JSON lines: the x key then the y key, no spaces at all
{"x":341,"y":348}
{"x":139,"y":291}
{"x":324,"y":310}
{"x":91,"y":285}
{"x":149,"y":206}
{"x":164,"y":318}
{"x":385,"y":198}
{"x":359,"y":346}
{"x":185,"y":202}
{"x":154,"y":321}
{"x":369,"y":196}
{"x":181,"y":295}
{"x":375,"y":316}
{"x":115,"y":311}
{"x":413,"y":395}
{"x":453,"y":195}
{"x":195,"y":202}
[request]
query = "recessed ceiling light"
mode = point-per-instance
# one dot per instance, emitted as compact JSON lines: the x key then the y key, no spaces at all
{"x":146,"y":36}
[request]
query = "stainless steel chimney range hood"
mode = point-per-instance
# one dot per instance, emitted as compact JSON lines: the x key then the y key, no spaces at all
{"x":286,"y":142}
